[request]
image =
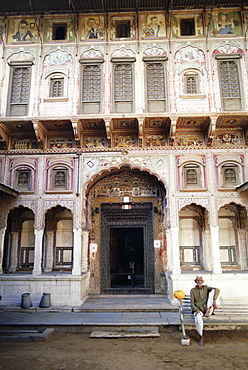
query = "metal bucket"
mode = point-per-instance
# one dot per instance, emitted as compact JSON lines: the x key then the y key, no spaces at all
{"x":26,"y":301}
{"x":45,"y":301}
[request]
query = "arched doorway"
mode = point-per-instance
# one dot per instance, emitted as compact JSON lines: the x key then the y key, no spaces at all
{"x":232,"y":236}
{"x":126,"y":216}
{"x":19,"y":241}
{"x":192,"y":225}
{"x":58,"y":240}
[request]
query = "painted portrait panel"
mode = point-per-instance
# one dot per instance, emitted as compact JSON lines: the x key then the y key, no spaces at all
{"x":187,"y":24}
{"x":22,"y":30}
{"x":92,"y":28}
{"x":225,"y":23}
{"x":59,"y":29}
{"x":153,"y":25}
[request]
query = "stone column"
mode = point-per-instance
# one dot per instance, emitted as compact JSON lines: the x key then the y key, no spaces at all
{"x":206,"y":247}
{"x":38,"y":251}
{"x":2,"y":234}
{"x":214,"y":231}
{"x":85,"y":242}
{"x":242,"y":249}
{"x":49,"y":251}
{"x":77,"y":252}
{"x":214,"y":237}
{"x":13,"y":251}
{"x":175,"y":255}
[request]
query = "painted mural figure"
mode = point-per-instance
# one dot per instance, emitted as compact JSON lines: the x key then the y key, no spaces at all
{"x":154,"y":28}
{"x":225,"y":25}
{"x":23,"y":33}
{"x":93,"y":29}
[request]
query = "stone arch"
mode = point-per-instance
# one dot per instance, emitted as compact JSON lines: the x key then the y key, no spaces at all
{"x":124,"y":200}
{"x":193,"y":223}
{"x":19,"y":240}
{"x":58,"y":239}
{"x":233,"y":233}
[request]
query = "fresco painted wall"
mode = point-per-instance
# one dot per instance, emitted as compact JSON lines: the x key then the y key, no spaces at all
{"x":92,"y":27}
{"x":153,"y":25}
{"x":23,"y":30}
{"x":225,"y":23}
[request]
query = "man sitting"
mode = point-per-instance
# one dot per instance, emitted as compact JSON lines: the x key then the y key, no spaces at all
{"x":203,"y":302}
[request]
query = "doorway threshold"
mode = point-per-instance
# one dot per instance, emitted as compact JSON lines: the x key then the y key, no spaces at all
{"x":129,"y":290}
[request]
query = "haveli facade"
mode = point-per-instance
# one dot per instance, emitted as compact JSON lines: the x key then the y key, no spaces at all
{"x":123,"y":153}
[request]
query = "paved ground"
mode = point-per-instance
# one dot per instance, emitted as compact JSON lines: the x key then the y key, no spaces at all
{"x":118,"y":312}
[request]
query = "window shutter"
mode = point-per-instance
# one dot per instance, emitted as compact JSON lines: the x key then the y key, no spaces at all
{"x":123,"y":82}
{"x":155,"y":81}
{"x":230,"y":85}
{"x":91,"y":83}
{"x":20,"y":90}
{"x":57,"y":87}
{"x":191,"y":84}
{"x":155,"y":86}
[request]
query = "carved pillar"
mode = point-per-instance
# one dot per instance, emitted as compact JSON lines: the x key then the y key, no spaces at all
{"x":214,"y":237}
{"x":175,"y":250}
{"x":13,"y":251}
{"x":215,"y":249}
{"x":49,"y":251}
{"x":206,"y":244}
{"x":77,"y":252}
{"x":85,"y":241}
{"x":242,"y":249}
{"x":2,"y":234}
{"x":108,"y":132}
{"x":141,"y":131}
{"x":38,"y":251}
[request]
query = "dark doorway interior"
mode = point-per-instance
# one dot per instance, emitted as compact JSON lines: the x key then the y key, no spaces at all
{"x":127,"y":257}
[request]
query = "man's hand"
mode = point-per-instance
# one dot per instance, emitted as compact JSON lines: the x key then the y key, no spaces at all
{"x":197,"y":311}
{"x":214,"y":304}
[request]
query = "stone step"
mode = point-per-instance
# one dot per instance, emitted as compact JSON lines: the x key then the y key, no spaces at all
{"x":230,"y":315}
{"x":15,"y":335}
{"x":126,"y":334}
{"x":127,"y":304}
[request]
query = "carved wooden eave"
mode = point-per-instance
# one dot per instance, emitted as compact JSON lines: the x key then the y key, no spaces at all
{"x":17,"y":129}
{"x":124,"y":132}
{"x":193,"y":131}
{"x":231,"y":130}
{"x":49,"y":129}
{"x":4,"y":189}
{"x":156,"y":131}
{"x":242,"y":187}
{"x":92,"y":133}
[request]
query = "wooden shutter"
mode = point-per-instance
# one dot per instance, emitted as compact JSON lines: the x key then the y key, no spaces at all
{"x":57,"y":87}
{"x":155,"y":80}
{"x":230,"y":85}
{"x":20,"y":91}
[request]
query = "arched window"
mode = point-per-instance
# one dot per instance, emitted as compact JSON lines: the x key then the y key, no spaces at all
{"x":192,"y":176}
{"x":23,"y":179}
{"x":56,"y":85}
{"x":60,"y":178}
{"x":230,"y":175}
{"x":191,"y":83}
